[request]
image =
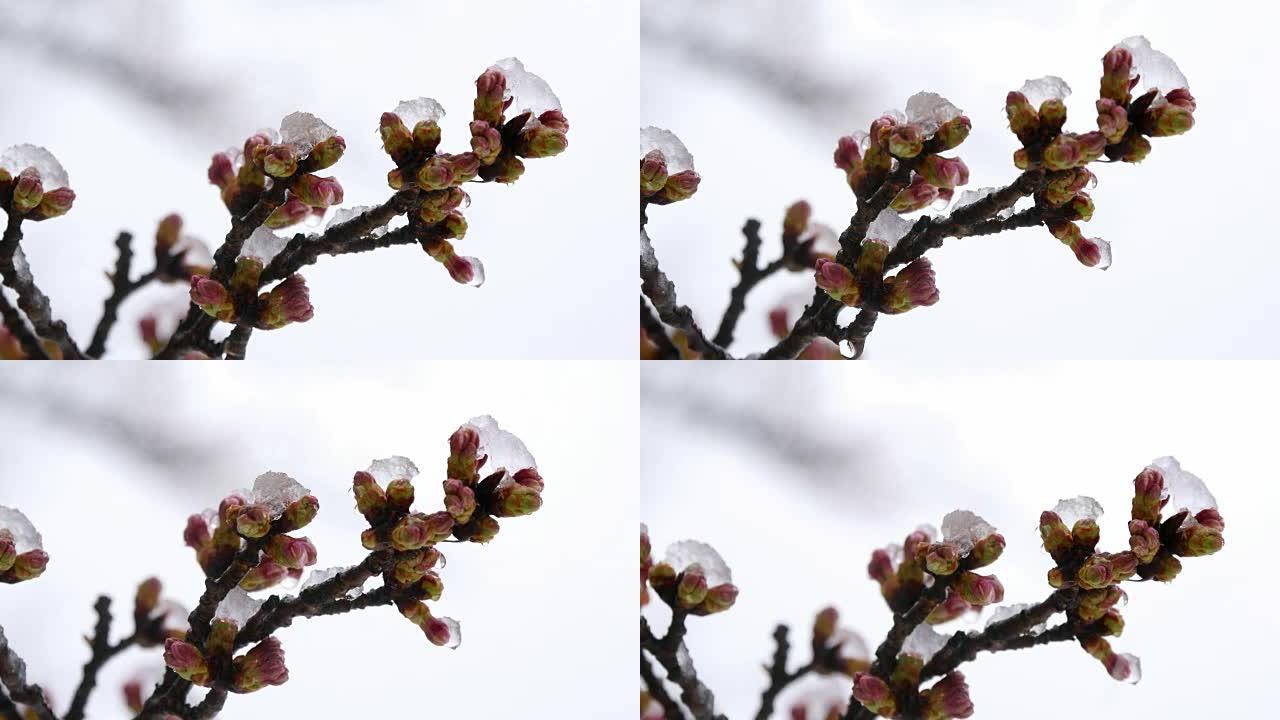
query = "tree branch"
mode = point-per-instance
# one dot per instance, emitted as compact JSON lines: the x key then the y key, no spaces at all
{"x":671,"y":709}
{"x":779,"y":678}
{"x":963,"y":647}
{"x":33,"y":302}
{"x":121,"y":288}
{"x":667,"y":651}
{"x":657,"y":333}
{"x":661,"y":291}
{"x":18,"y":327}
{"x":13,"y":675}
{"x":750,"y":275}
{"x":101,"y":650}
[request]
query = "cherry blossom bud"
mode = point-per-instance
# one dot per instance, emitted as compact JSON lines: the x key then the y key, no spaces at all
{"x":54,"y":203}
{"x":1165,"y":567}
{"x":952,"y":607}
{"x":653,"y":173}
{"x":212,"y":298}
{"x":919,"y":194}
{"x":692,"y":588}
{"x":280,"y":161}
{"x":221,"y":641}
{"x":953,"y":132}
{"x":530,"y":478}
{"x":680,"y":186}
{"x":290,"y":552}
{"x":979,"y":590}
{"x":1062,"y":153}
{"x":265,"y":574}
{"x":1113,"y":120}
{"x":942,"y":559}
{"x":133,"y":696}
{"x":400,"y":494}
{"x":187,"y":661}
{"x":28,"y":191}
{"x":837,"y":281}
{"x":1056,"y":578}
{"x":880,"y":129}
{"x":288,"y":302}
{"x":1092,"y":146}
{"x":410,"y":533}
{"x":1182,"y":98}
{"x":848,"y":153}
{"x":824,"y":625}
{"x":870,"y":263}
{"x":221,"y":172}
{"x":719,"y":598}
{"x":1144,"y":541}
{"x":1112,"y":623}
{"x":254,"y":521}
{"x":506,"y":169}
{"x":987,"y":550}
{"x":431,"y":586}
{"x":1135,"y":149}
{"x":880,"y":568}
{"x":263,"y":665}
{"x":517,"y":500}
{"x":196,"y":534}
{"x":465,"y":167}
{"x":1095,"y":573}
{"x":299,"y":513}
{"x":1021,"y":159}
{"x":397,"y":141}
{"x":291,"y":212}
{"x":1053,"y":114}
{"x":483,"y":528}
{"x":1124,"y":565}
{"x":1148,"y":496}
{"x":316,"y":191}
{"x":906,"y":141}
{"x":1197,"y":540}
{"x":371,"y":499}
{"x":662,"y":577}
{"x":1023,"y":118}
{"x":491,"y":87}
{"x":426,"y":136}
{"x":948,"y":698}
{"x":1085,"y":534}
{"x":326,"y":153}
{"x":8,"y":551}
{"x":369,"y":539}
{"x":1168,"y":120}
{"x":944,"y":172}
{"x":26,"y":566}
{"x":486,"y":141}
{"x":455,"y":225}
{"x":796,"y":219}
{"x":874,"y":694}
{"x":541,"y":141}
{"x":914,"y":286}
{"x":1117,"y":67}
{"x":436,"y":174}
{"x":1211,"y":518}
{"x":167,"y":233}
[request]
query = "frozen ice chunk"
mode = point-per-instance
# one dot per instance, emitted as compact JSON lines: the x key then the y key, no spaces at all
{"x":1184,"y":490}
{"x":969,"y":197}
{"x":1126,"y":668}
{"x":964,"y":528}
{"x":1153,"y":68}
{"x":1004,"y":612}
{"x":930,"y":111}
{"x":277,"y":491}
{"x":417,"y":110}
{"x":681,"y":555}
{"x":504,"y":450}
{"x":526,"y":90}
{"x":677,"y":155}
{"x":455,"y":632}
{"x":924,"y":642}
{"x":1026,"y":203}
{"x":889,"y":227}
{"x":396,"y":467}
{"x":25,"y":535}
{"x":1049,"y":87}
{"x":477,"y":270}
{"x":851,"y":644}
{"x":20,"y":157}
{"x":825,"y":240}
{"x":1104,"y":253}
{"x":1078,"y":508}
{"x":263,"y":244}
{"x":897,"y":115}
{"x":303,"y":131}
{"x":345,"y":214}
{"x":318,"y":576}
{"x":237,"y":607}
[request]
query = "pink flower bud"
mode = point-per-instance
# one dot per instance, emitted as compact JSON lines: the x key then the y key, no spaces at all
{"x":881,"y":566}
{"x":906,"y":141}
{"x":914,"y":286}
{"x":653,"y":173}
{"x":1056,"y":536}
{"x":874,"y":694}
{"x":692,"y":588}
{"x":55,"y":203}
{"x":253,"y":521}
{"x":1023,"y":118}
{"x":1092,"y":146}
{"x":680,"y":186}
{"x":8,"y":551}
{"x":431,"y":586}
{"x":290,"y":552}
{"x":26,"y":566}
{"x":28,"y":191}
{"x":288,"y":302}
{"x":280,"y":161}
{"x":880,"y":129}
{"x":1063,"y":152}
{"x":1053,"y":114}
{"x":1117,"y":67}
{"x":987,"y":550}
{"x":952,"y":607}
{"x":187,"y":661}
{"x":486,"y":141}
{"x":426,"y":136}
{"x":1144,"y":540}
{"x":436,"y":174}
{"x":919,"y":194}
{"x":1135,"y":148}
{"x":1211,"y":518}
{"x":944,"y":172}
{"x":1085,"y":534}
{"x":1196,"y":540}
{"x":953,"y":132}
{"x":848,"y":153}
{"x":979,"y":590}
{"x":1124,"y":565}
{"x":265,"y":574}
{"x":530,"y":478}
{"x":326,"y":153}
{"x":824,"y":625}
{"x":371,"y":500}
{"x":465,"y":167}
{"x":261,"y":666}
{"x":400,"y":494}
{"x":397,"y":141}
{"x":948,"y":698}
{"x":212,"y":297}
{"x":1168,"y":120}
{"x":491,"y":88}
{"x":196,"y":534}
{"x":291,"y":212}
{"x":459,"y":500}
{"x":837,"y":281}
{"x":555,"y":120}
{"x":942,"y":559}
{"x":1113,"y":120}
{"x":1182,"y":98}
{"x":517,"y":500}
{"x":719,"y":598}
{"x":316,"y":191}
{"x":541,"y":141}
{"x":221,"y":172}
{"x":299,"y":513}
{"x":1095,"y":573}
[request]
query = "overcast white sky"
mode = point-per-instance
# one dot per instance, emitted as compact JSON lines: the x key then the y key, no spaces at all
{"x":1006,"y":444}
{"x":1191,"y":276}
{"x":234,"y":67}
{"x":545,"y":608}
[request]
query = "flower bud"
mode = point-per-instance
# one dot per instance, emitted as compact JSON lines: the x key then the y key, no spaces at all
{"x":944,"y":172}
{"x":369,"y":539}
{"x":1095,"y":573}
{"x":870,"y":263}
{"x":881,"y":567}
{"x":1148,"y":496}
{"x":1197,"y":540}
{"x":397,"y":141}
{"x":28,"y":191}
{"x":541,"y":141}
{"x":400,"y":494}
{"x":27,"y":566}
{"x":265,"y":574}
{"x":1085,"y":534}
{"x":530,"y":478}
{"x":1144,"y":541}
{"x":431,"y":586}
{"x":371,"y":499}
{"x":979,"y":590}
{"x":455,"y":225}
{"x":299,"y":513}
{"x":837,"y":281}
{"x":662,"y":577}
{"x":1053,"y":114}
{"x":1093,"y":145}
{"x":653,"y":173}
{"x":692,"y":588}
{"x":221,"y":172}
{"x":948,"y":698}
{"x":1168,"y":120}
{"x":680,"y":186}
{"x":395,"y":179}
{"x":824,"y":625}
{"x":291,"y":212}
{"x":8,"y":551}
{"x":316,"y":191}
{"x":953,"y":132}
{"x":491,"y":88}
{"x":426,"y":136}
{"x":914,"y":286}
{"x":506,"y":169}
{"x":719,"y":598}
{"x":919,"y":194}
{"x":254,"y":521}
{"x":196,"y":534}
{"x":1124,"y":565}
{"x":906,"y":141}
{"x":1166,"y":567}
{"x":1023,"y":119}
{"x":1113,"y":120}
{"x":187,"y":661}
{"x":280,"y":161}
{"x":1112,"y":623}
{"x":465,"y":167}
{"x":326,"y":153}
{"x":874,"y":694}
{"x":288,"y":302}
{"x":1211,"y":518}
{"x":880,"y":129}
{"x":290,"y":552}
{"x":436,"y":174}
{"x":796,"y":219}
{"x":263,"y":665}
{"x":1056,"y":536}
{"x":518,"y":500}
{"x":1117,"y":67}
{"x":212,"y":298}
{"x":54,"y":203}
{"x":1182,"y":98}
{"x":1079,"y":208}
{"x":1062,"y":153}
{"x":848,"y":154}
{"x":1135,"y":149}
{"x":942,"y":559}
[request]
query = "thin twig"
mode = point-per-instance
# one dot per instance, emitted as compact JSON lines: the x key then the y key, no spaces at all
{"x":661,"y":291}
{"x":101,"y":650}
{"x":779,"y":678}
{"x":668,"y":651}
{"x":749,"y":275}
{"x":121,"y":288}
{"x":671,"y":709}
{"x":237,"y":342}
{"x":963,"y":647}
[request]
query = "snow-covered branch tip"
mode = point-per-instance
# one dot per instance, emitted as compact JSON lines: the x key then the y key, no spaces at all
{"x":896,"y":172}
{"x":249,"y":545}
{"x":272,"y":182}
{"x":929,"y":580}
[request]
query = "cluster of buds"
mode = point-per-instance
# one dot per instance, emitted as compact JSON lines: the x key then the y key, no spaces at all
{"x":930,"y":125}
{"x":1156,"y":542}
{"x":905,"y":571}
{"x":411,"y":137}
{"x":1124,"y":122}
{"x":260,"y":519}
{"x":946,"y":699}
{"x":913,"y":286}
{"x":304,"y":146}
{"x":289,"y":301}
{"x":22,"y":556}
{"x":33,"y":184}
{"x":692,"y":579}
{"x":666,"y":168}
{"x":819,"y":349}
{"x":261,"y":666}
{"x":385,"y":495}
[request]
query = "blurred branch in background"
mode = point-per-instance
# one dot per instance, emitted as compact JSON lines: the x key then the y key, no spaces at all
{"x":130,"y":46}
{"x":771,"y":44}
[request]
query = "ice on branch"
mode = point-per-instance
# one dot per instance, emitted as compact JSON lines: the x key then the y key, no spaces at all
{"x":924,"y":642}
{"x":1072,"y":510}
{"x":276,"y":491}
{"x":1153,"y":68}
{"x":681,"y":555}
{"x":237,"y":607}
{"x":20,"y":157}
{"x":396,"y":467}
{"x":677,"y":156}
{"x":503,"y":450}
{"x":888,"y":228}
{"x":929,"y":111}
{"x":526,"y":91}
{"x":423,"y":109}
{"x":1004,"y":612}
{"x":25,"y":535}
{"x":303,"y":131}
{"x":1184,"y":490}
{"x":963,"y":528}
{"x":263,"y":244}
{"x":1049,"y":87}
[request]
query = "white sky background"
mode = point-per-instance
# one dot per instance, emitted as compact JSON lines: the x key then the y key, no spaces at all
{"x":921,"y":441}
{"x":239,"y":66}
{"x":1192,"y":266}
{"x":542,"y":607}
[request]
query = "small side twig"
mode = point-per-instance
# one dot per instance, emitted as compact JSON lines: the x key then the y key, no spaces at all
{"x":749,"y":275}
{"x":668,"y":651}
{"x":101,"y":650}
{"x":779,"y":678}
{"x":121,"y":288}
